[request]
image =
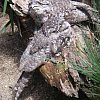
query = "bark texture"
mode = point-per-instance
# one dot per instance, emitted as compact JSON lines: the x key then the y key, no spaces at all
{"x":55,"y":35}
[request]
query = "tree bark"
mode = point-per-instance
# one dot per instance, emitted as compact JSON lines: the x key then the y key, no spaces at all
{"x":61,"y":75}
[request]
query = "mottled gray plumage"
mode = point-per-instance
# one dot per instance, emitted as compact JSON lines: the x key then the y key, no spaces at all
{"x":52,"y":33}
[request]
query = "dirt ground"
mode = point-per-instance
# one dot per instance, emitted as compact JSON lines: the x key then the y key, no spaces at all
{"x":11,"y":49}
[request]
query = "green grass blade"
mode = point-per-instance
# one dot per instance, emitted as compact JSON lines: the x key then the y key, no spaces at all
{"x":5,"y":26}
{"x":12,"y":20}
{"x":5,"y":7}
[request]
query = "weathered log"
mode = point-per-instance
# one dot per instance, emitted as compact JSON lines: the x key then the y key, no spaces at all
{"x":60,"y":73}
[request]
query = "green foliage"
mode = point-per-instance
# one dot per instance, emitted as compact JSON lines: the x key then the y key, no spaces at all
{"x":90,"y":66}
{"x":96,"y":4}
{"x":11,"y":20}
{"x":5,"y":7}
